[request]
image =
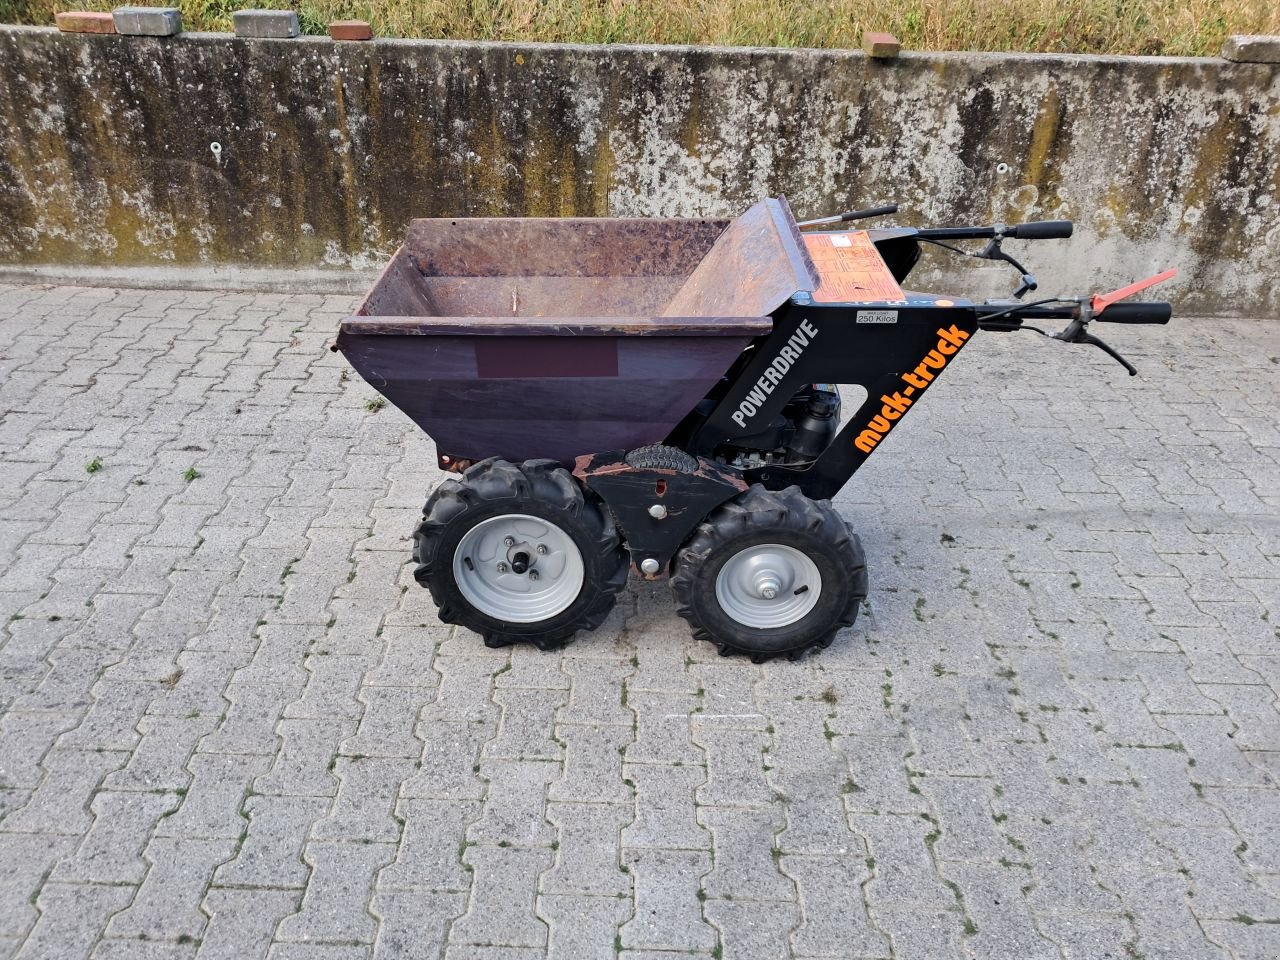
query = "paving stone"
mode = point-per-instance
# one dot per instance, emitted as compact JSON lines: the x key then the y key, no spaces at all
{"x":1209,"y":742}
{"x":992,"y":902}
{"x":167,"y":904}
{"x":334,"y":907}
{"x":407,"y":658}
{"x":1245,"y":941}
{"x":450,"y":761}
{"x":1084,"y":936}
{"x":904,"y":872}
{"x":515,"y":808}
{"x":1165,"y":780}
{"x":111,"y":851}
{"x":471,"y":951}
{"x":365,"y":806}
{"x":834,"y":918}
{"x":242,"y":922}
{"x":159,"y":761}
{"x":529,"y":668}
{"x":666,"y":908}
{"x":743,"y":849}
{"x":212,"y":806}
{"x":429,"y":855}
{"x":413,"y":923}
{"x":735,"y":768}
{"x":665,"y":808}
{"x":588,"y":860}
{"x":25,"y":737}
{"x":501,"y":909}
{"x":965,"y":819}
{"x":148,"y":21}
{"x":249,"y":723}
{"x":29,"y":860}
{"x":924,"y":933}
{"x":331,"y":688}
{"x":662,"y":728}
{"x":728,"y":696}
{"x":304,"y":765}
{"x":592,"y":764}
{"x":752,"y":930}
{"x":60,"y":804}
{"x":270,"y":855}
{"x":72,"y":917}
{"x":525,"y":731}
{"x":1163,"y":920}
{"x":878,"y":774}
{"x":465,"y":683}
{"x":596,"y":696}
{"x":582,"y":927}
{"x":1218,"y":873}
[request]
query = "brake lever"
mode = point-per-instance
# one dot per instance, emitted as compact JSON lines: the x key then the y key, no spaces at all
{"x":1077,"y":332}
{"x":994,"y":251}
{"x":1105,"y":348}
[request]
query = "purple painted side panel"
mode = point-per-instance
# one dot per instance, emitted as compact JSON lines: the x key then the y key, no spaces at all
{"x":437,"y":382}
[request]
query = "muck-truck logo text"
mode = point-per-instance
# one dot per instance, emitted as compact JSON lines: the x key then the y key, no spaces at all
{"x":915,"y":382}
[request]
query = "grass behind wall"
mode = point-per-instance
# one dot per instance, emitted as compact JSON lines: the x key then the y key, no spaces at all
{"x":1170,"y":27}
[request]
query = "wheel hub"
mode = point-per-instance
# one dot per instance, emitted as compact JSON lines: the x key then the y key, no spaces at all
{"x":767,"y":586}
{"x":518,"y":568}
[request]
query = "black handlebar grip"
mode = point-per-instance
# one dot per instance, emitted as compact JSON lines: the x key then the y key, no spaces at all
{"x":1150,"y":311}
{"x":883,"y":211}
{"x":1041,"y":230}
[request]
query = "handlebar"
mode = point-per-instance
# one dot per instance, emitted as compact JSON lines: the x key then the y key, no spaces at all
{"x":1036,"y":230}
{"x":1153,"y":311}
{"x":1041,"y":230}
{"x":881,"y":211}
{"x":1079,"y":312}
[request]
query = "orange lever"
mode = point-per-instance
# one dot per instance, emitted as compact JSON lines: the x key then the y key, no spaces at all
{"x":1101,"y":301}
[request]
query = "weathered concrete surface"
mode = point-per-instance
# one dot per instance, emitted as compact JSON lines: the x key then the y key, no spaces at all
{"x":229,"y":718}
{"x":326,"y":150}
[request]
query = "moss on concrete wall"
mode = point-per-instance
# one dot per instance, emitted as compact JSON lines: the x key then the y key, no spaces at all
{"x":327,"y":149}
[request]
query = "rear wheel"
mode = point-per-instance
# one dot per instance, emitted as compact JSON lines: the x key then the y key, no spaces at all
{"x":519,"y":554}
{"x":770,"y":574}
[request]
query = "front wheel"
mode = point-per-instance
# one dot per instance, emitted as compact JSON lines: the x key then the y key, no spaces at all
{"x":519,"y":554}
{"x":770,"y":574}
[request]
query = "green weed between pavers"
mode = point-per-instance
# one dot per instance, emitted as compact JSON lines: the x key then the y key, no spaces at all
{"x":1195,"y":27}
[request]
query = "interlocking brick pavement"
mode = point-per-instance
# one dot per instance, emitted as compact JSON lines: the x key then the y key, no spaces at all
{"x":232,"y":726}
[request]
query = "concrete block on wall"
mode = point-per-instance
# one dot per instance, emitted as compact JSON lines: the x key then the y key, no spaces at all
{"x":148,"y":21}
{"x":1252,"y":49}
{"x":350,"y":30}
{"x":882,"y":46}
{"x":266,"y":24}
{"x":84,"y":21}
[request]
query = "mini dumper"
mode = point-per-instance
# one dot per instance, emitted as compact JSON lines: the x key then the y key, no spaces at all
{"x":660,"y":395}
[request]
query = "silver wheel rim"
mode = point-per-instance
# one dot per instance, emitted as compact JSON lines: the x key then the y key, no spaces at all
{"x":768,"y":586}
{"x":487,"y":568}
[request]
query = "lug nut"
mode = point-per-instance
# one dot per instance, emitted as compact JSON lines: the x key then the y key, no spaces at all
{"x":510,"y":541}
{"x":542,"y":549}
{"x":768,"y":587}
{"x":533,"y":574}
{"x":502,"y":568}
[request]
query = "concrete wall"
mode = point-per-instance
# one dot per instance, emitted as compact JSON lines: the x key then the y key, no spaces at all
{"x":327,"y":149}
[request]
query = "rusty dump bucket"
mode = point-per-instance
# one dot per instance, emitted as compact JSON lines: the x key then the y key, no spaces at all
{"x":525,"y":338}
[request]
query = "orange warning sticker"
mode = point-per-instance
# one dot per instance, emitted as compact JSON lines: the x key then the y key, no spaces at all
{"x":850,"y":269}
